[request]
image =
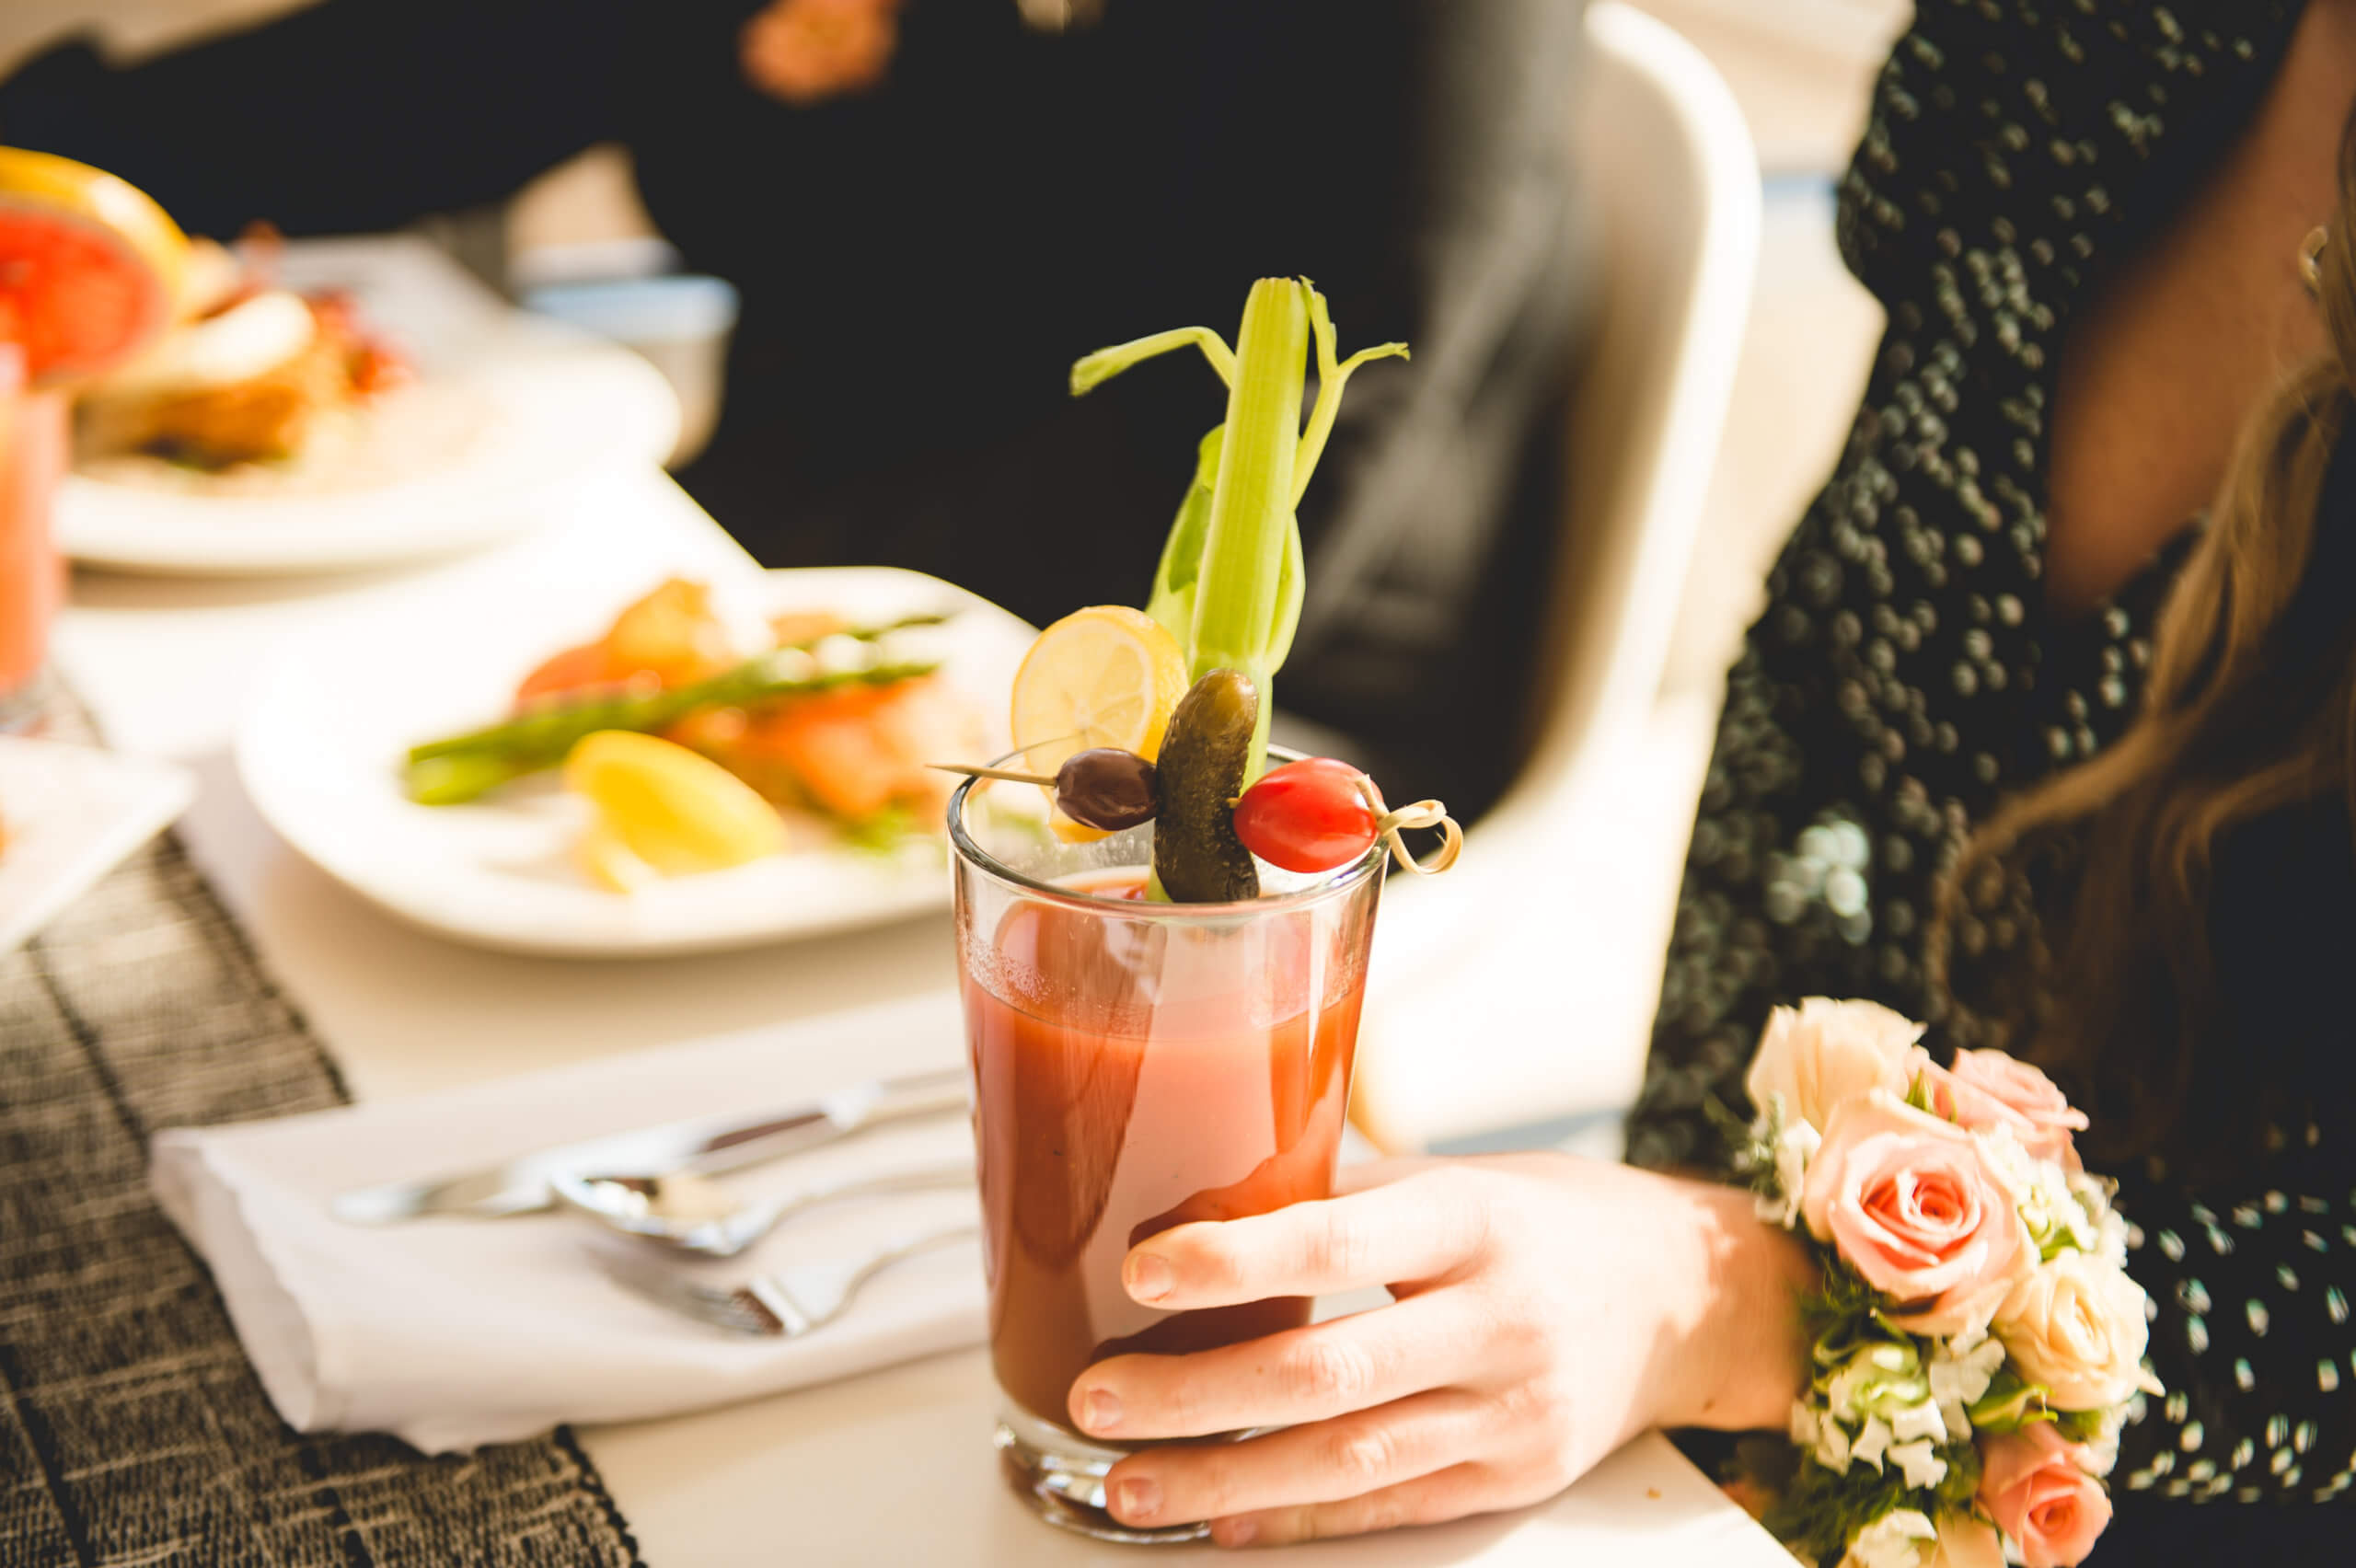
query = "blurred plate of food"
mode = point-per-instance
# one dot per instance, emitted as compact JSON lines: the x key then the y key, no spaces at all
{"x":334,"y":405}
{"x":690,"y":766}
{"x":68,"y":816}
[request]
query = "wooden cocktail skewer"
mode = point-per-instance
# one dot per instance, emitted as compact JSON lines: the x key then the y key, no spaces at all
{"x":1040,"y":779}
{"x":1423,"y":814}
{"x":1102,"y":787}
{"x":1388,"y":823}
{"x":1010,"y":778}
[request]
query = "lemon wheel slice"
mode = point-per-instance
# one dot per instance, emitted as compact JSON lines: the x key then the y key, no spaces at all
{"x":664,"y":810}
{"x":1107,"y":675}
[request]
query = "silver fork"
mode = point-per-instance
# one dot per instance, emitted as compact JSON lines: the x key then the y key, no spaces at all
{"x":785,"y":1303}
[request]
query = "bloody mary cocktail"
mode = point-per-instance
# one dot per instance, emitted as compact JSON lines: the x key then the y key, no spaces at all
{"x":33,"y":442}
{"x":1163,"y":939}
{"x":1137,"y":1065}
{"x":90,"y":279}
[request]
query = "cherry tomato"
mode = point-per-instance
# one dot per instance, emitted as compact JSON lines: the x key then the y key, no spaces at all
{"x":1306,"y":815}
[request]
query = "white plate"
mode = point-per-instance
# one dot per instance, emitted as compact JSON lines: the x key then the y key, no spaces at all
{"x":321,"y":746}
{"x":510,"y":415}
{"x":71,"y":814}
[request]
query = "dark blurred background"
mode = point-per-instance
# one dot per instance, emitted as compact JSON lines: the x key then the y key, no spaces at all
{"x":916,"y":262}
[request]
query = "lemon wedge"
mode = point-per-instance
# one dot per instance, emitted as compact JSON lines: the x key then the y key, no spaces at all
{"x":1107,"y":675}
{"x":662,"y":810}
{"x":611,"y":863}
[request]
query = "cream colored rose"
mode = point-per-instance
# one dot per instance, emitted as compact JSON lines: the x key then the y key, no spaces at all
{"x":2076,"y":1325}
{"x":1825,"y":1054}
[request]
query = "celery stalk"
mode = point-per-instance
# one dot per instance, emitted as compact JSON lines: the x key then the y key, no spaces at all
{"x":1236,"y":601}
{"x":1105,"y":363}
{"x":1291,"y":587}
{"x":1172,"y":602}
{"x":1231,"y":577}
{"x":1331,"y":377}
{"x":1290,"y":590}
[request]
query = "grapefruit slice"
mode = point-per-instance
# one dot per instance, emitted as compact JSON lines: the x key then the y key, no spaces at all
{"x":90,"y":267}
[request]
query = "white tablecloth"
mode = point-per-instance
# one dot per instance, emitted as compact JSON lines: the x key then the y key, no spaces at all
{"x":890,"y":1468}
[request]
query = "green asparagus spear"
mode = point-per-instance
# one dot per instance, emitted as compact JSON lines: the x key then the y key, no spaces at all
{"x":461,"y":768}
{"x":447,"y":773}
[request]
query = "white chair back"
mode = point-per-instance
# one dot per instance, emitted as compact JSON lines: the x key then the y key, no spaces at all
{"x":1520,"y":987}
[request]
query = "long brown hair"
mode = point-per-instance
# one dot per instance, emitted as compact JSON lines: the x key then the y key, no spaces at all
{"x":2118,"y":998}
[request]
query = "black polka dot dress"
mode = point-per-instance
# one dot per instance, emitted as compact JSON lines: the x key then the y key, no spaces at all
{"x":1905,"y":676}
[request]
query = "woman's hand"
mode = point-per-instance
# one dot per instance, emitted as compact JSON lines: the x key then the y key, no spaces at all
{"x":1547,"y":1309}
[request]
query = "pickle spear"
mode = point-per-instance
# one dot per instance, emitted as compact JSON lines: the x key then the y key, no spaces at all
{"x":1206,"y":754}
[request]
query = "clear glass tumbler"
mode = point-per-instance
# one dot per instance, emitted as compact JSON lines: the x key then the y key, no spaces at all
{"x":33,"y":442}
{"x":1137,"y":1065}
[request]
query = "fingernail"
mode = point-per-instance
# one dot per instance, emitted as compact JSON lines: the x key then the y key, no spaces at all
{"x":1139,"y":1498}
{"x":1239,"y":1532}
{"x":1149,"y":1276}
{"x":1102,"y":1408}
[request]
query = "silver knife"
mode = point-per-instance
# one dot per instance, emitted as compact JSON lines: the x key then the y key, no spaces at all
{"x":706,"y":1145}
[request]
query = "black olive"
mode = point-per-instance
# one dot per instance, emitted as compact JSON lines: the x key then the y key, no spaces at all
{"x":1107,"y":788}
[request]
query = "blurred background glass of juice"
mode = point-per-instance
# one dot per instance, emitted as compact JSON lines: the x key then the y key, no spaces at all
{"x":1135,"y":1067}
{"x":33,"y":442}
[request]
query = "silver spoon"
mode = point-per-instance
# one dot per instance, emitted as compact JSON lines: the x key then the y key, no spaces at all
{"x":687,"y":1212}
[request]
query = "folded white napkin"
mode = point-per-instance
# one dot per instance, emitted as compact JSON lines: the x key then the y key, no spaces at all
{"x":451,"y":1332}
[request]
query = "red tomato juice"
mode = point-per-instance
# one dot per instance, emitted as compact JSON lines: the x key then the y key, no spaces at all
{"x":32,"y":577}
{"x":1133,"y":1075}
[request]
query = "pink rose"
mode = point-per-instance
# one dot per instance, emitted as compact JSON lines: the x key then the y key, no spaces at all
{"x":2034,"y":1484}
{"x":1915,"y":1208}
{"x":1988,"y":1090}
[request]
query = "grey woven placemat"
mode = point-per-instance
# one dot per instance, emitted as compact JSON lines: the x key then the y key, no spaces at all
{"x":131,"y":1429}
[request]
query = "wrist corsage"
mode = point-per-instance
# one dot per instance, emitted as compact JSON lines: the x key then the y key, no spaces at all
{"x":1976,"y":1342}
